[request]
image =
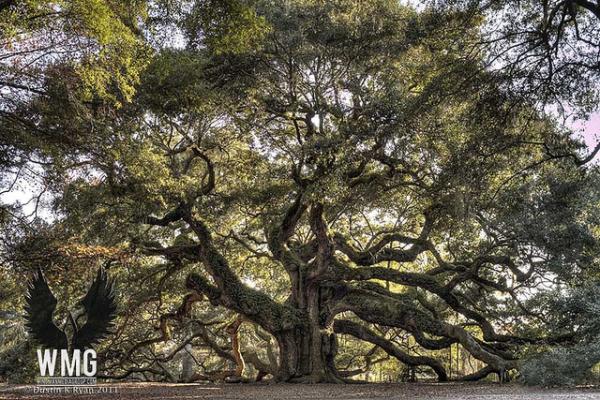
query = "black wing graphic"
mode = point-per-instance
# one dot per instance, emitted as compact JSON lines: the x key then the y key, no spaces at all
{"x":100,"y":307}
{"x":40,"y":305}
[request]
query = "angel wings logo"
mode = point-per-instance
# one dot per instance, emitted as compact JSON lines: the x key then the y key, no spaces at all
{"x":84,"y":326}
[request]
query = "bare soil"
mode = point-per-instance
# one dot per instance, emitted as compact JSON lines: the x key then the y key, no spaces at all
{"x":411,"y":391}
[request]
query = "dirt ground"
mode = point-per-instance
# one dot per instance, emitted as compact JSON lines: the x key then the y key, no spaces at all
{"x":300,"y":392}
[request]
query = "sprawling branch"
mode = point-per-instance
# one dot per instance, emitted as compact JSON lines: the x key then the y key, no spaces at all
{"x":231,"y":293}
{"x":428,"y":283}
{"x":380,"y":251}
{"x":390,"y":311}
{"x":360,"y":332}
{"x":170,"y":217}
{"x":478,"y":375}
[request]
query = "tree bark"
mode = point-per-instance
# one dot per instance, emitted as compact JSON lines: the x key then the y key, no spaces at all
{"x":307,"y":353}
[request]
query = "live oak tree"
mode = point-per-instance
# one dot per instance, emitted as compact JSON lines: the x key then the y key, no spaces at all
{"x":348,"y":168}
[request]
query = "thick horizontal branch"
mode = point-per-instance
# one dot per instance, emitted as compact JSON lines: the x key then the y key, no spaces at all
{"x":478,"y":375}
{"x":428,"y":283}
{"x":170,"y":217}
{"x":378,"y":252}
{"x":363,"y":333}
{"x":379,"y":309}
{"x":232,"y":293}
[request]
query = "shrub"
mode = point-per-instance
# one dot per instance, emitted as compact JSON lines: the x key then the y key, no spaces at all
{"x":561,"y":366}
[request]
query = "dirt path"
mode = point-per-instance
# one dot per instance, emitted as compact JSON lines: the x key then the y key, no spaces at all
{"x":301,"y":392}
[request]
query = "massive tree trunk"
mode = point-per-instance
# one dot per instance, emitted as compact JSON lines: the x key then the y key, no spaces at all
{"x":307,"y":353}
{"x":305,"y":357}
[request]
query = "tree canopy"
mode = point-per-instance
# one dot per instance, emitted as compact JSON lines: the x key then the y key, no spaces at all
{"x":302,"y":189}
